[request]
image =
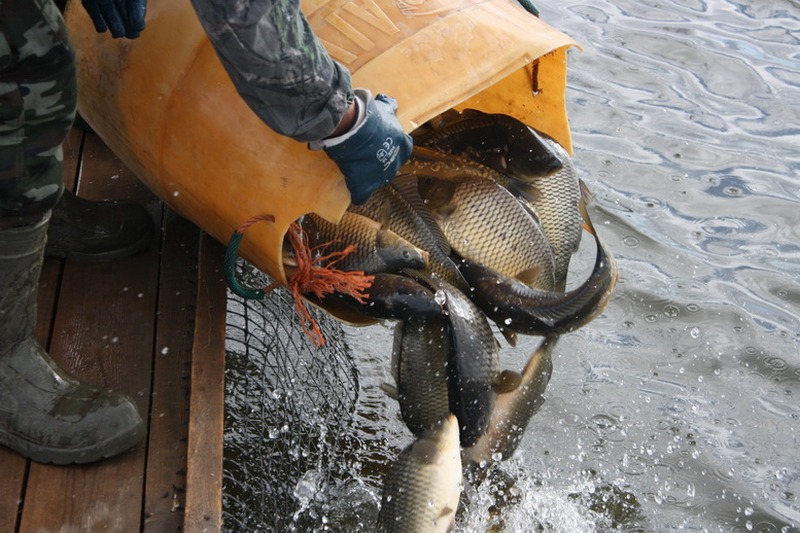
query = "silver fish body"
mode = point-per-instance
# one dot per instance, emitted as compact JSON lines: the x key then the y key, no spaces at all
{"x":527,"y":310}
{"x":423,"y":486}
{"x":513,"y":411}
{"x":553,"y":198}
{"x":556,"y":200}
{"x":399,"y":207}
{"x":377,"y":249}
{"x":486,"y":224}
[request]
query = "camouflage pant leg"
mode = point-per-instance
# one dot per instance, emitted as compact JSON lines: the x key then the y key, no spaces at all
{"x":37,"y":105}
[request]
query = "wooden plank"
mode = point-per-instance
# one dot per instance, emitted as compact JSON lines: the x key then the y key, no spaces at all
{"x":169,"y":426}
{"x":13,"y":466}
{"x":204,"y":474}
{"x":103,"y":334}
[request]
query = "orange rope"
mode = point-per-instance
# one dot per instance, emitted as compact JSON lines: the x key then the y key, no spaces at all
{"x":312,"y":277}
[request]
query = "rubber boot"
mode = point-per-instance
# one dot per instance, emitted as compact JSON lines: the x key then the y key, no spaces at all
{"x":85,"y":230}
{"x":45,"y":414}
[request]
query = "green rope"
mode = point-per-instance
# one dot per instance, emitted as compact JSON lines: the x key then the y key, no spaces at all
{"x":529,"y":7}
{"x":231,"y":254}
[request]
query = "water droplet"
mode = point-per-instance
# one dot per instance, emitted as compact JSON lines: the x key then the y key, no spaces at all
{"x":671,"y":311}
{"x":439,"y":297}
{"x":631,"y":241}
{"x":694,"y":332}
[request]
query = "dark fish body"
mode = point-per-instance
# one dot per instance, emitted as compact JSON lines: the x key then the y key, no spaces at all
{"x":498,"y":141}
{"x":390,"y":297}
{"x":526,"y":310}
{"x":419,"y":363}
{"x":473,"y":364}
{"x":398,"y":206}
{"x":513,"y":411}
{"x":423,"y":486}
{"x":430,"y":163}
{"x":486,"y":224}
{"x":377,"y":249}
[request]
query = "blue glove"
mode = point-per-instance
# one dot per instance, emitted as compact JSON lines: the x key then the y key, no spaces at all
{"x":370,"y":154}
{"x":125,"y":18}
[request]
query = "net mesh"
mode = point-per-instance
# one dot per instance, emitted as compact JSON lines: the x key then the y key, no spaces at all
{"x":288,"y":407}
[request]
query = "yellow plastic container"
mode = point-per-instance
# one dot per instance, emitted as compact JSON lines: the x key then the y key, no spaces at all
{"x":164,"y":104}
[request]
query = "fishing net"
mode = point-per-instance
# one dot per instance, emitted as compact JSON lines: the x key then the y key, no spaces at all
{"x":287,"y":407}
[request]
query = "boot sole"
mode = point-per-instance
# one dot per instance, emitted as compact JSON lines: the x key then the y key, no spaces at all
{"x":96,"y":257}
{"x":111,"y":447}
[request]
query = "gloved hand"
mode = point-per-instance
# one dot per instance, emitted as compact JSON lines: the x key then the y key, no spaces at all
{"x":125,"y":18}
{"x":371,"y":153}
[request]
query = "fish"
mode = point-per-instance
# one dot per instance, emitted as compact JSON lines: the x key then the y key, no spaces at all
{"x":513,"y":410}
{"x":419,"y":366}
{"x":399,"y":207}
{"x":556,"y":200}
{"x":473,"y":364}
{"x":423,"y":485}
{"x":389,"y":297}
{"x":496,"y":140}
{"x":484,"y":223}
{"x":531,"y":311}
{"x":377,"y":248}
{"x":553,"y":199}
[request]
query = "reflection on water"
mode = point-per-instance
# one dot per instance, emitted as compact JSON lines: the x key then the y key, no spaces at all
{"x":678,"y":407}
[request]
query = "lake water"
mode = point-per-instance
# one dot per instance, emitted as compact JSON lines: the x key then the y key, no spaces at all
{"x":677,"y":409}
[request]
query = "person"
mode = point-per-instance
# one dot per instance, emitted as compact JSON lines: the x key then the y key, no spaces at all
{"x":280,"y":69}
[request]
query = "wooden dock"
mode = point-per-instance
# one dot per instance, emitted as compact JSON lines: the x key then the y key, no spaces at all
{"x":151,"y":326}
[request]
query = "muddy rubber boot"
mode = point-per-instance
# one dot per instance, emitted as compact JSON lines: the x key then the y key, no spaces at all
{"x":85,"y":230}
{"x":45,"y":414}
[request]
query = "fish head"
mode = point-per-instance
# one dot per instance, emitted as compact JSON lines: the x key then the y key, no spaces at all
{"x":397,"y":253}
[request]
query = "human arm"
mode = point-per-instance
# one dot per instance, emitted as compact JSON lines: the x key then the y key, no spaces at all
{"x":286,"y":76}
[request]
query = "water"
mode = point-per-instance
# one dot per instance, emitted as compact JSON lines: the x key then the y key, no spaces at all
{"x":677,"y":409}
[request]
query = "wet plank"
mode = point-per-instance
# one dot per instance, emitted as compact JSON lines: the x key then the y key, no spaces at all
{"x":169,"y":424}
{"x":204,"y":477}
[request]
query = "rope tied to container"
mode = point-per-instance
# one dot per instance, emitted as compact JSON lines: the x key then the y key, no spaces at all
{"x":317,"y":276}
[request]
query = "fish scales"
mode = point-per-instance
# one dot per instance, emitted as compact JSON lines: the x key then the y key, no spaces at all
{"x":553,"y":197}
{"x":527,"y":310}
{"x":419,"y":362}
{"x":423,"y":485}
{"x":473,"y":365}
{"x":486,"y":224}
{"x":377,"y":249}
{"x":513,"y":411}
{"x":394,"y":206}
{"x":558,"y":206}
{"x":499,"y":141}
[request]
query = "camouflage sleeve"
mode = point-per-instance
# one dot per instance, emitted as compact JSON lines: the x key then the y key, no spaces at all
{"x":278,"y":65}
